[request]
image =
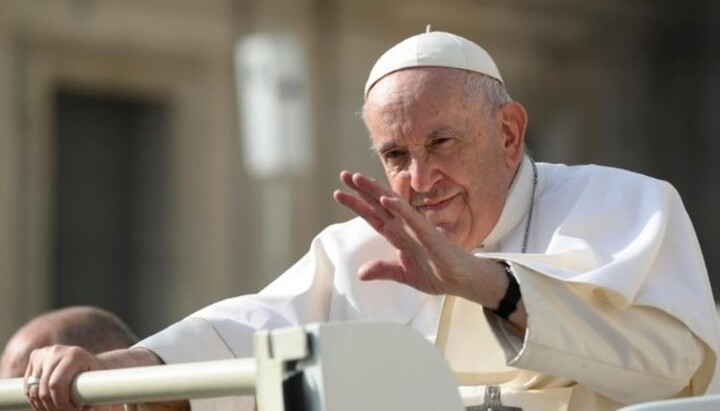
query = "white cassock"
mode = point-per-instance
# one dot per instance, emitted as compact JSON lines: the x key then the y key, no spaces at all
{"x":619,"y":303}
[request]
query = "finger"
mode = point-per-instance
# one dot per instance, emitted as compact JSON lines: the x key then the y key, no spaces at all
{"x":369,"y":189}
{"x":372,"y":187}
{"x":34,"y":369}
{"x":28,"y":373}
{"x":33,"y":397}
{"x":50,"y":359}
{"x":395,"y":271}
{"x":382,"y":270}
{"x":60,"y":381}
{"x":394,"y":230}
{"x":404,"y":187}
{"x":361,"y":208}
{"x":369,"y":207}
{"x":35,"y":401}
{"x":349,"y":180}
{"x":424,"y":231}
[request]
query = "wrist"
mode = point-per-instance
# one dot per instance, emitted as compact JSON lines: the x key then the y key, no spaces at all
{"x":486,"y":283}
{"x":508,"y":304}
{"x":126,"y":358}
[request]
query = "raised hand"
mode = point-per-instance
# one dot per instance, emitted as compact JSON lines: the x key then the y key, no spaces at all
{"x":427,"y":260}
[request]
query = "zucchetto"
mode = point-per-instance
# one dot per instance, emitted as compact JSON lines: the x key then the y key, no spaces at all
{"x":433,"y":49}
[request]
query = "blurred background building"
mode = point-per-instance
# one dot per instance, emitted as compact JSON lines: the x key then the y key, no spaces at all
{"x":160,"y":155}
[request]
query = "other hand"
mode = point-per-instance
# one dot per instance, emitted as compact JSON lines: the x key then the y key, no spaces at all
{"x":56,"y":366}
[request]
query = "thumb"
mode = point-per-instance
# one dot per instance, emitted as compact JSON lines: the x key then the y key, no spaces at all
{"x":381,"y":270}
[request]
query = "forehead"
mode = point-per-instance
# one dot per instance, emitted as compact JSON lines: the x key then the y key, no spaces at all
{"x":409,"y":85}
{"x":413,"y":103}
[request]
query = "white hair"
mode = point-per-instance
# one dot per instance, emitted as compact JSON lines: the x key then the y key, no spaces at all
{"x":488,"y":90}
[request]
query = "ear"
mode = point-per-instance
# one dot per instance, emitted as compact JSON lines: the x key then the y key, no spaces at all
{"x":514,"y":122}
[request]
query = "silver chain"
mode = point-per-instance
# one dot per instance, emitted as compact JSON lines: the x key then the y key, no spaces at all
{"x":531,"y":207}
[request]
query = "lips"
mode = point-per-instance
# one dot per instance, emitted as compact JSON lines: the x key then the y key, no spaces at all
{"x":435,"y":205}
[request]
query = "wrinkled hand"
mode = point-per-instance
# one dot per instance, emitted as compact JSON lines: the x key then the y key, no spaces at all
{"x":427,"y":260}
{"x":56,"y":367}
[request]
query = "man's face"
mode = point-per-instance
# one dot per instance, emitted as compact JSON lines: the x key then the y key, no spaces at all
{"x":442,"y":152}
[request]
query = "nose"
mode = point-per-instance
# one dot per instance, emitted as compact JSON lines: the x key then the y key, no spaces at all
{"x":423,"y":175}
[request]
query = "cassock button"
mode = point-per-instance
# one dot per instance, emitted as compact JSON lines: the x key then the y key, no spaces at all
{"x":492,"y":401}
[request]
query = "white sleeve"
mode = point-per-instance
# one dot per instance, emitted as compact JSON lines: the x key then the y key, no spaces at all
{"x":190,"y":340}
{"x":225,"y":329}
{"x":617,"y":293}
{"x":575,"y":332}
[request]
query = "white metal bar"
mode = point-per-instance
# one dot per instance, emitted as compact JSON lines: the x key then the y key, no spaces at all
{"x":149,"y":384}
{"x":12,"y":396}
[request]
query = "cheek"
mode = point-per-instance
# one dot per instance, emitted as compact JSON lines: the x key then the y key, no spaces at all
{"x":478,"y":182}
{"x":464,"y":173}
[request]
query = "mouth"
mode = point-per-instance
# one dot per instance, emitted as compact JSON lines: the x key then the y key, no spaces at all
{"x":435,"y":205}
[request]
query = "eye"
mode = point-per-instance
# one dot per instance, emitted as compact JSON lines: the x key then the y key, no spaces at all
{"x":394,"y":157}
{"x":440,"y":141}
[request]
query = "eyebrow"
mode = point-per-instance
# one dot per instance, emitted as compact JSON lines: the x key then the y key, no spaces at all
{"x":385,"y":147}
{"x":446,"y":132}
{"x":440,"y":132}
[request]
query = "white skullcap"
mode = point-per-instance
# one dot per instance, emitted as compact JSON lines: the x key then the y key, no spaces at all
{"x":433,"y":49}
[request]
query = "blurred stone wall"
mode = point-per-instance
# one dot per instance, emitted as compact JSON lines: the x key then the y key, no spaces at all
{"x":628,"y":84}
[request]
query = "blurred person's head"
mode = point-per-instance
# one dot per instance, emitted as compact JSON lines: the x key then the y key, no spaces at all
{"x":92,"y":328}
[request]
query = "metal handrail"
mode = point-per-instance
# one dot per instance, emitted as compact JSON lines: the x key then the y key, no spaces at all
{"x":149,"y":384}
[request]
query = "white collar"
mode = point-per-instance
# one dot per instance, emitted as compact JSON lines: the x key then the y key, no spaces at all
{"x":516,"y":205}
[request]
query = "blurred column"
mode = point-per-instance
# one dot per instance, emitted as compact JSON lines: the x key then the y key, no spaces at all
{"x":273,"y":64}
{"x":274,"y":113}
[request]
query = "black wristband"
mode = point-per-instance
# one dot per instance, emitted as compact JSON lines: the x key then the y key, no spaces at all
{"x":509,"y":302}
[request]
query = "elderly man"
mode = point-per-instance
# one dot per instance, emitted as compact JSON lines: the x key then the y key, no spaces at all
{"x":572,"y":288}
